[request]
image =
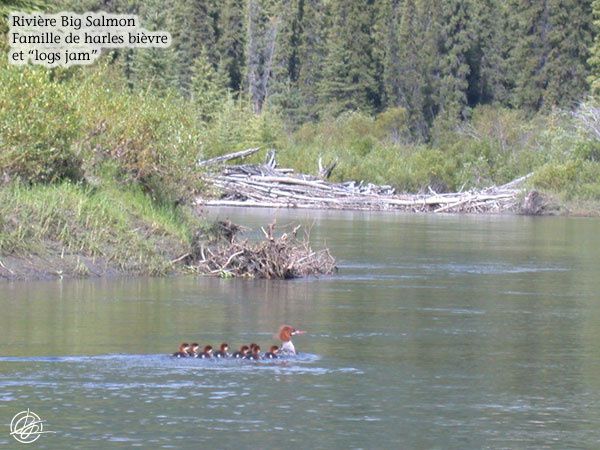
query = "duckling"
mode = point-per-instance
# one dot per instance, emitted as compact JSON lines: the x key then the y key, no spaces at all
{"x":223,"y":352}
{"x":241,"y":353}
{"x":183,"y":351}
{"x":272,"y":353}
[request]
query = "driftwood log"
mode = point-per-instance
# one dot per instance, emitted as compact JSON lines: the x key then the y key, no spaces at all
{"x":266,"y":185}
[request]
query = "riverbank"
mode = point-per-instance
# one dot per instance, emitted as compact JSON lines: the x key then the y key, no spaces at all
{"x":68,"y":231}
{"x":74,"y":231}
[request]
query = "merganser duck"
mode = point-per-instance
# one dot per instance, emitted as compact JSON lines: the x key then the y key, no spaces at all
{"x":285,"y":334}
{"x":223,"y":352}
{"x":255,"y":353}
{"x":243,"y":351}
{"x":272,"y":353}
{"x":183,"y":351}
{"x":207,"y":353}
{"x":193,"y":351}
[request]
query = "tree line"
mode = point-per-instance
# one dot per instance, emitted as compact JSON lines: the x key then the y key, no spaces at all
{"x":308,"y":59}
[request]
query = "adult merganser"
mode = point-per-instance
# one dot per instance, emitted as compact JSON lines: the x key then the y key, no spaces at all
{"x":255,"y":353}
{"x":223,"y":352}
{"x":285,"y":334}
{"x":243,"y":351}
{"x":193,"y":351}
{"x":207,"y":353}
{"x":183,"y":351}
{"x":272,"y":353}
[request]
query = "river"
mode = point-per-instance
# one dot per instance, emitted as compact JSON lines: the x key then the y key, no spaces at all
{"x":438,"y":332}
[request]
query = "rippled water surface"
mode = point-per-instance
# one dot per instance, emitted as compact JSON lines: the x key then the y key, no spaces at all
{"x":438,"y":332}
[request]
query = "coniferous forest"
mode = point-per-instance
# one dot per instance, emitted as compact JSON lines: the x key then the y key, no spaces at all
{"x":309,"y":60}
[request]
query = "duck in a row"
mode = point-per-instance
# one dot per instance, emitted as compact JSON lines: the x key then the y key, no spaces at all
{"x":251,"y":351}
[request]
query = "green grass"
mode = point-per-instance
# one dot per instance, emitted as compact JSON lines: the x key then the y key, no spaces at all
{"x":125,"y":229}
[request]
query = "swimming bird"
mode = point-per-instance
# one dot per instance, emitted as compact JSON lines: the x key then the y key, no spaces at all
{"x":285,"y":334}
{"x":272,"y":353}
{"x":207,"y":353}
{"x":243,"y":351}
{"x":223,"y":352}
{"x":183,"y":351}
{"x":193,"y":351}
{"x":255,"y":353}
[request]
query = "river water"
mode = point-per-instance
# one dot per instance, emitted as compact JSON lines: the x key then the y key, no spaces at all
{"x":438,"y":332}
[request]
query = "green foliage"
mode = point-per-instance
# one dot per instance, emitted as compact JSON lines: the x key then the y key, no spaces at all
{"x":456,"y":42}
{"x":38,"y":124}
{"x":123,"y":228}
{"x":556,"y":176}
{"x":68,"y":126}
{"x":393,"y":124}
{"x":549,"y":54}
{"x":235,"y":126}
{"x":588,"y":151}
{"x":153,"y":140}
{"x":350,"y":71}
{"x":412,"y":93}
{"x":310,"y":59}
{"x":231,"y":42}
{"x":594,"y":60}
{"x":208,"y":87}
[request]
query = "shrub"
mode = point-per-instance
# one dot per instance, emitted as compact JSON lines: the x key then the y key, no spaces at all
{"x":38,"y":125}
{"x":556,"y":176}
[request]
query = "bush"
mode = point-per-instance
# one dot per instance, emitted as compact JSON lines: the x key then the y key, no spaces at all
{"x":587,"y":151}
{"x":236,"y":127}
{"x":147,"y":139}
{"x":556,"y":176}
{"x":38,"y":126}
{"x":393,"y":125}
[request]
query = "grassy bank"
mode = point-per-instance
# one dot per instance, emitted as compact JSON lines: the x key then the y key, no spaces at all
{"x":95,"y":178}
{"x":72,"y":230}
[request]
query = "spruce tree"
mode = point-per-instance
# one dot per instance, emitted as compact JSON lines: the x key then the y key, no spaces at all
{"x":594,"y":60}
{"x":231,"y":42}
{"x":411,"y":69}
{"x":193,"y":27}
{"x":570,"y":38}
{"x":489,"y":80}
{"x":428,"y":12}
{"x":551,"y":41}
{"x":389,"y":51}
{"x":207,"y":86}
{"x":283,"y":84}
{"x":262,"y":28}
{"x":530,"y":22}
{"x":155,"y":67}
{"x":349,"y":81}
{"x":311,"y":58}
{"x":455,"y":43}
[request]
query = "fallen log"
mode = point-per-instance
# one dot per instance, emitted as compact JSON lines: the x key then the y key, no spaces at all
{"x":228,"y":157}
